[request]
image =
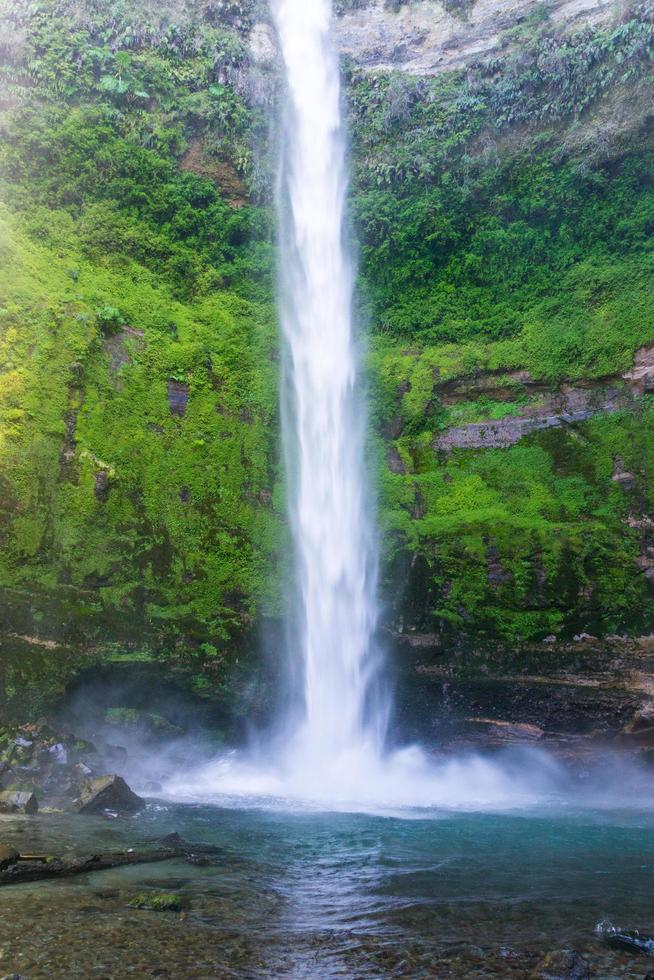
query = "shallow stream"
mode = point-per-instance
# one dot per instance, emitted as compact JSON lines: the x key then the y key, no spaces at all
{"x":304,"y":893}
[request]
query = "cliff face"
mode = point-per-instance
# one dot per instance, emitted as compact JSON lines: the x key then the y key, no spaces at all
{"x":139,"y":480}
{"x":502,"y":197}
{"x":501,"y":201}
{"x":430,"y":37}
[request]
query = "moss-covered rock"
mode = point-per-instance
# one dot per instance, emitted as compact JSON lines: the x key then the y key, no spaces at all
{"x":156,"y":902}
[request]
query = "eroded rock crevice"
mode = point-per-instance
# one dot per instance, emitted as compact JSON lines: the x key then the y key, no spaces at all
{"x":544,"y":408}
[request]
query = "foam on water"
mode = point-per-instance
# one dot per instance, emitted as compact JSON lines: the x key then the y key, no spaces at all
{"x":358,"y":779}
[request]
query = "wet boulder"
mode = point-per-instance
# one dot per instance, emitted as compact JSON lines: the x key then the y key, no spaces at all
{"x":109,"y":792}
{"x":8,"y":855}
{"x":631,"y":940}
{"x":37,"y":754}
{"x":15,"y":801}
{"x":78,"y":776}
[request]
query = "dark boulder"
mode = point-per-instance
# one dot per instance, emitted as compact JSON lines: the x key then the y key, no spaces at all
{"x":8,"y":855}
{"x":109,"y":792}
{"x":15,"y":801}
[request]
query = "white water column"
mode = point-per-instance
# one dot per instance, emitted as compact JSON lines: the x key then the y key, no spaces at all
{"x":323,"y":418}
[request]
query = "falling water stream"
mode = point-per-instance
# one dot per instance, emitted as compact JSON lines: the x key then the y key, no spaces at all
{"x":323,"y":430}
{"x":340,"y":734}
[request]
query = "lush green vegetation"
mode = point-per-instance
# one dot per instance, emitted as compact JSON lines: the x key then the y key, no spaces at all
{"x":487,"y":216}
{"x":505,"y":219}
{"x":545,"y":513}
{"x":184,"y":528}
{"x":124,"y":274}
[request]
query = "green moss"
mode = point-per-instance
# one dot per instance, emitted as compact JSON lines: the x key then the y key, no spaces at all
{"x":533,"y":539}
{"x":148,"y":723}
{"x":34,"y":676}
{"x":184,"y":534}
{"x":156,"y":902}
{"x":493,"y":245}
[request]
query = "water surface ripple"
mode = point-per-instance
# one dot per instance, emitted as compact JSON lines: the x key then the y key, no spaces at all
{"x":314,"y":894}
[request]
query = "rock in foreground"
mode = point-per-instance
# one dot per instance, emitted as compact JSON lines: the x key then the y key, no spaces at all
{"x":13,"y":801}
{"x":564,"y":964}
{"x":109,"y":792}
{"x":8,"y":856}
{"x":37,"y":867}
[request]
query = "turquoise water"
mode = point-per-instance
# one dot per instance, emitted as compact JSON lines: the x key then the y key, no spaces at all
{"x":323,"y":894}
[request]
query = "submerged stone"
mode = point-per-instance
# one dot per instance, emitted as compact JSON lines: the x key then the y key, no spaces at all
{"x":563,"y":964}
{"x":160,"y":902}
{"x":631,"y":940}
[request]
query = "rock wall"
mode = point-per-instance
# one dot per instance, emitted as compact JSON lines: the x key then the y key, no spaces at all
{"x":579,"y":699}
{"x":549,"y":409}
{"x":428,"y":37}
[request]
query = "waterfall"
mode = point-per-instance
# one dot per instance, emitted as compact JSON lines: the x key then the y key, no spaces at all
{"x":334,"y":756}
{"x":323,"y":427}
